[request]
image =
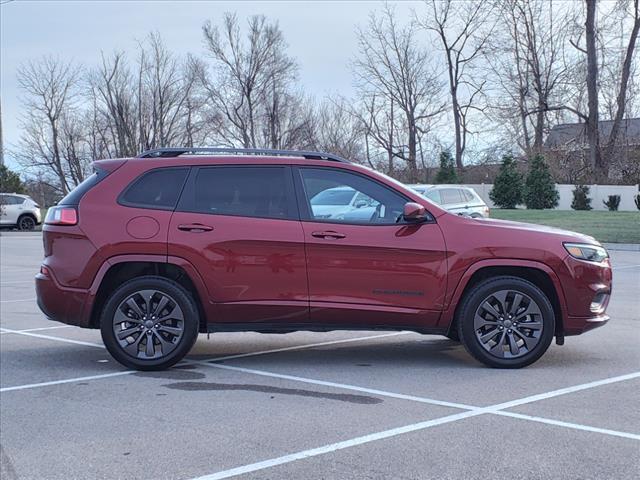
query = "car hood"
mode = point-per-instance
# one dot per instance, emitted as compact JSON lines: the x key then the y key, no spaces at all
{"x":564,"y":235}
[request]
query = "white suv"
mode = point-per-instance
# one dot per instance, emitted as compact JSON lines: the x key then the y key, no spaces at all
{"x":455,"y":198}
{"x":19,"y":211}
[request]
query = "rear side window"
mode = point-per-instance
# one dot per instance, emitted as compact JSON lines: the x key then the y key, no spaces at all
{"x":451,"y":195}
{"x":74,"y":196}
{"x":157,"y":189}
{"x":11,"y":200}
{"x":263,"y":192}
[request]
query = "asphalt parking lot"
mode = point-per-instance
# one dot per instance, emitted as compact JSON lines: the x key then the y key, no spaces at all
{"x":313,"y":406}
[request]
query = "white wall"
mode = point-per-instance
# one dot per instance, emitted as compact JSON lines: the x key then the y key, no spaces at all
{"x":597,"y":193}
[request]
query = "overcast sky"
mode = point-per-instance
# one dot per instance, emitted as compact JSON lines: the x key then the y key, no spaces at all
{"x":320,"y":34}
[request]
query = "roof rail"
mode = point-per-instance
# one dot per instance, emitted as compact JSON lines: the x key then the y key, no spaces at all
{"x":177,"y":151}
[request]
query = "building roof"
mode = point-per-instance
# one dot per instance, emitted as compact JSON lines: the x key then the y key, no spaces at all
{"x":574,"y":134}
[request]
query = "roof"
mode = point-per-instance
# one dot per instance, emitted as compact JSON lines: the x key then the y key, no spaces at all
{"x":573,"y":134}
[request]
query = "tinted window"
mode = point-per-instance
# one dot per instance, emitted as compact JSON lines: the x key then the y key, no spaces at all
{"x":157,"y":189}
{"x":242,"y":191}
{"x":375,"y":203}
{"x":451,"y":195}
{"x":11,"y":200}
{"x":74,"y":196}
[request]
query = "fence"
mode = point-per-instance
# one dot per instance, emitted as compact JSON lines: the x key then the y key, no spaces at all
{"x":597,"y":193}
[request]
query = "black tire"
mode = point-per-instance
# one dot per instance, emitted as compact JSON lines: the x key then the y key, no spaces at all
{"x":177,"y":345}
{"x":541,"y":314}
{"x":26,"y":223}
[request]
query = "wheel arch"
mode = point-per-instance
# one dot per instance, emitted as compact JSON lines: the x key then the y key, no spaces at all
{"x":539,"y":274}
{"x":117,"y":270}
{"x":26,"y":214}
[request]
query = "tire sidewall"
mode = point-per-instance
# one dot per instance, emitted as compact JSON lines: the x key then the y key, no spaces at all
{"x":25,"y":217}
{"x":164,"y":285}
{"x":472,"y":302}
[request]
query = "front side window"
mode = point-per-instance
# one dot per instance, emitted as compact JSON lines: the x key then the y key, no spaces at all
{"x":157,"y":189}
{"x":241,"y":191}
{"x":369,"y":202}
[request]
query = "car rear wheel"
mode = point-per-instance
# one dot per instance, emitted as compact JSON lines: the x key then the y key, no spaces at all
{"x":26,"y":223}
{"x":149,"y":323}
{"x":506,"y":322}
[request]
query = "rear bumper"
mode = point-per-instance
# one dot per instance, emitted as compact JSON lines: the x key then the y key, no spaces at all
{"x":66,"y":305}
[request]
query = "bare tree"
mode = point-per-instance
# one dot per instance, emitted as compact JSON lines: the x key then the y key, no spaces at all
{"x":463,"y":29}
{"x":248,"y":75}
{"x":49,"y":86}
{"x":633,"y":9}
{"x":395,"y":69}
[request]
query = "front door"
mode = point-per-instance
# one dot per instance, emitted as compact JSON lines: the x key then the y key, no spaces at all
{"x":239,"y":226}
{"x":366,"y":267}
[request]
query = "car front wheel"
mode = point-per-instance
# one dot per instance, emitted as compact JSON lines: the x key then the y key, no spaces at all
{"x":506,"y":322}
{"x":149,"y":323}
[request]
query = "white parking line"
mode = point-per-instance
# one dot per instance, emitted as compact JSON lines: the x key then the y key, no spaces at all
{"x":48,"y":337}
{"x":37,"y":329}
{"x":574,"y":426}
{"x":323,"y":383}
{"x":20,"y":282}
{"x":68,"y":380}
{"x":474,"y":411}
{"x":21,"y":300}
{"x":314,"y":452}
{"x":308,"y":345}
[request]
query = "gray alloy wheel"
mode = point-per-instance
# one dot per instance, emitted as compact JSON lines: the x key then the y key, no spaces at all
{"x":508,"y":324}
{"x":148,"y":324}
{"x":26,"y":223}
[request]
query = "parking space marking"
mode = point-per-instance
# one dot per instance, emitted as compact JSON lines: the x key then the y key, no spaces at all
{"x":564,"y":391}
{"x":575,"y":426}
{"x":471,"y":412}
{"x":48,"y":337}
{"x":68,"y":380}
{"x":372,"y":437}
{"x":308,"y":345}
{"x":343,"y":386}
{"x":626,"y":266}
{"x":21,"y":300}
{"x":37,"y":329}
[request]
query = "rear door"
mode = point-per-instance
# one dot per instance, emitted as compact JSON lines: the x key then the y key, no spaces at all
{"x":367,"y":268}
{"x":10,"y":207}
{"x":239,"y":226}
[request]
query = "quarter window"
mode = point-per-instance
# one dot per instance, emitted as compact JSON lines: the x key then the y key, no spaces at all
{"x":242,"y":191}
{"x":157,"y":189}
{"x":345,"y":197}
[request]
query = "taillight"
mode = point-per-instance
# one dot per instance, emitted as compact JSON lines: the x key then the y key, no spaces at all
{"x":62,"y":216}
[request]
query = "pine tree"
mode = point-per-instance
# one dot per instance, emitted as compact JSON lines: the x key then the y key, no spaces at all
{"x":581,"y":200}
{"x":508,"y":186}
{"x":447,"y":172}
{"x":10,"y":181}
{"x":540,"y":190}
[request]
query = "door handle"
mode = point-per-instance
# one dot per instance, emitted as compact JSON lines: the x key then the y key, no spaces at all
{"x":194,"y":227}
{"x":328,"y":234}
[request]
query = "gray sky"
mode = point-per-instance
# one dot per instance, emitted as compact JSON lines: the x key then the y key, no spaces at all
{"x":320,"y":34}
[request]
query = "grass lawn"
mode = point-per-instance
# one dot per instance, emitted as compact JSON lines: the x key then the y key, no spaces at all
{"x":605,"y":226}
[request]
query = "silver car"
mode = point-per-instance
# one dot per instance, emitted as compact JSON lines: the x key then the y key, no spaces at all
{"x":19,"y":211}
{"x":455,"y":198}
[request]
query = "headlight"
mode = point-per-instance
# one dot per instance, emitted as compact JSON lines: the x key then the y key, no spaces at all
{"x":584,"y":251}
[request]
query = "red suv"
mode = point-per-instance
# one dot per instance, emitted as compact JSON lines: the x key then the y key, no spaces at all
{"x":156,"y":249}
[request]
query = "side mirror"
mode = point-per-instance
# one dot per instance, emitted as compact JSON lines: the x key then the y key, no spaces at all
{"x":414,"y":212}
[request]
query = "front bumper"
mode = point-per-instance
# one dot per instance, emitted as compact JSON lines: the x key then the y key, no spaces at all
{"x":578,"y":325}
{"x":61,"y":304}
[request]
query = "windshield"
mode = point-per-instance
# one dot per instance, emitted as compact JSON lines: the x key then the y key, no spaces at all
{"x":332,"y":196}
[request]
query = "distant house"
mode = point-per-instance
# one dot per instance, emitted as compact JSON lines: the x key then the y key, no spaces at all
{"x":567,"y":146}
